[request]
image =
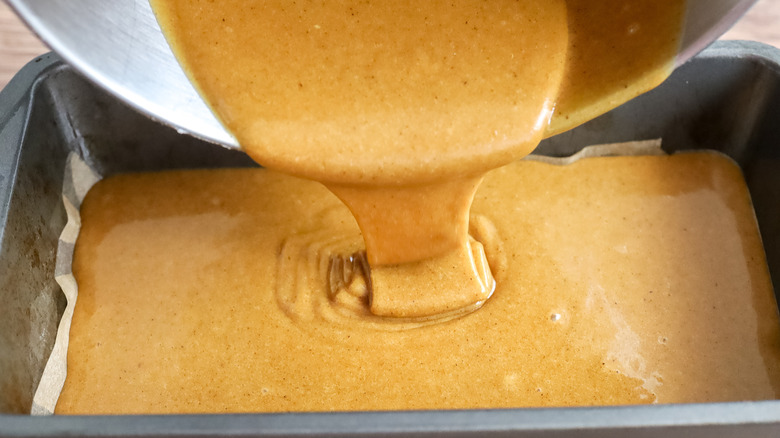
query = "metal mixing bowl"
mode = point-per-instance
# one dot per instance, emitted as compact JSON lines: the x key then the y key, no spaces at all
{"x":119,"y":45}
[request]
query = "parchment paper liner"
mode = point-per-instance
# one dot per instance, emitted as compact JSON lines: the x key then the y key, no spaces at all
{"x":79,"y":178}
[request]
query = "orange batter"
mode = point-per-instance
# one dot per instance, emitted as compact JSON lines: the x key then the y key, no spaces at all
{"x":619,"y":280}
{"x":401,"y":106}
{"x":613,"y":280}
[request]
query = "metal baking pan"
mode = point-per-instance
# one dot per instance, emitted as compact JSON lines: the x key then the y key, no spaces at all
{"x":726,"y":99}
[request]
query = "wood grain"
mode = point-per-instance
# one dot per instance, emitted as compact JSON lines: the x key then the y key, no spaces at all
{"x":18,"y":45}
{"x":761,"y":23}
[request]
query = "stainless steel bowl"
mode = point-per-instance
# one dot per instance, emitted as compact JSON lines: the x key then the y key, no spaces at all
{"x":119,"y":45}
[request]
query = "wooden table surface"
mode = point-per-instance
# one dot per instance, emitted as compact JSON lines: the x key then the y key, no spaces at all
{"x":18,"y":45}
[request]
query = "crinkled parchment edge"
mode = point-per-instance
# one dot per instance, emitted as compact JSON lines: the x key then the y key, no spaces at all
{"x":78,"y":179}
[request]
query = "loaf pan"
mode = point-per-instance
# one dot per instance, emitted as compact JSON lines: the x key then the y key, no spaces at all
{"x":726,"y":99}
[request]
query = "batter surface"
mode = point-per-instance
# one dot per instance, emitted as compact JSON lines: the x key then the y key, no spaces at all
{"x":618,"y":280}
